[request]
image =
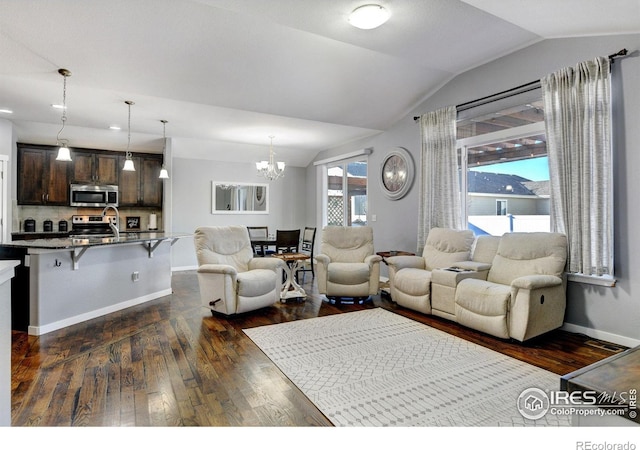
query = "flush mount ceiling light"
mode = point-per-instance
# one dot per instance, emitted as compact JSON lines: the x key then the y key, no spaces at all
{"x":128,"y":163}
{"x":163,"y":171}
{"x":270,"y":169}
{"x":368,"y":17}
{"x":63,"y":150}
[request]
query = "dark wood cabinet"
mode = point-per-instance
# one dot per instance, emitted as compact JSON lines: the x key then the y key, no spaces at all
{"x":107,"y":169}
{"x":44,"y":181}
{"x":95,"y":167}
{"x":82,"y":167}
{"x":41,"y":179}
{"x":129,"y":184}
{"x":142,"y":187}
{"x":151,"y":186}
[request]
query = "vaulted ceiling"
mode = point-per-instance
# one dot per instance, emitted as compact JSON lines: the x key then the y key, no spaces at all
{"x":227,"y":74}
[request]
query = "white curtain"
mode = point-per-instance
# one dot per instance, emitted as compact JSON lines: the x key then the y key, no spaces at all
{"x":577,"y":102}
{"x":439,"y":204}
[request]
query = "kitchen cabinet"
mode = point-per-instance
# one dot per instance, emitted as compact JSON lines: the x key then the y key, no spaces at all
{"x":151,"y":185}
{"x":41,"y":179}
{"x":44,"y":181}
{"x":142,"y":187}
{"x":129,"y":184}
{"x":95,"y":167}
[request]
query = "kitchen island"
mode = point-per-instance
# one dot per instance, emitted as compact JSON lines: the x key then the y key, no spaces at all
{"x":7,"y":272}
{"x":64,"y":281}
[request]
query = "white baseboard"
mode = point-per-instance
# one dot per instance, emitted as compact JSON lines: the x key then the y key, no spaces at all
{"x":43,"y":329}
{"x":183,"y":268}
{"x":602,"y":335}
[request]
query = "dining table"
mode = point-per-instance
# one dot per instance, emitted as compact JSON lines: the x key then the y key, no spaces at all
{"x":263,"y":244}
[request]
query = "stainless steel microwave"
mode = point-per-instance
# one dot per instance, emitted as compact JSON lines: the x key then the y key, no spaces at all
{"x":91,"y":195}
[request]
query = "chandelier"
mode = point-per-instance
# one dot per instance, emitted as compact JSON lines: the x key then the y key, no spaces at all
{"x":270,"y":169}
{"x":63,"y":151}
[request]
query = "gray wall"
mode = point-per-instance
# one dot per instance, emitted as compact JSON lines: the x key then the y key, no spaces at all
{"x":608,"y":313}
{"x":8,"y":147}
{"x":191,"y":202}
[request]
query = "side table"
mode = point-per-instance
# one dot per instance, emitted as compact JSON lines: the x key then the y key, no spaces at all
{"x":614,"y":382}
{"x":291,"y":288}
{"x":393,"y":253}
{"x":385,"y":287}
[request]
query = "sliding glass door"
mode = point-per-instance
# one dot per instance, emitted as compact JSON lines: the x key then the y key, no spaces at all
{"x":346,"y":193}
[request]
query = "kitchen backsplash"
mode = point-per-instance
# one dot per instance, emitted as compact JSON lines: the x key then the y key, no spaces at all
{"x":58,"y":213}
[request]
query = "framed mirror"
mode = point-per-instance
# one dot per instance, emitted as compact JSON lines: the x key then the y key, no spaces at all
{"x":239,"y":198}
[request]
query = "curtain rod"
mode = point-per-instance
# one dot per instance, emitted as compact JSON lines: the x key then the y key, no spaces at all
{"x":514,"y":91}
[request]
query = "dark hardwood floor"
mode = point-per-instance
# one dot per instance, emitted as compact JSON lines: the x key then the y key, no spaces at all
{"x":169,"y":362}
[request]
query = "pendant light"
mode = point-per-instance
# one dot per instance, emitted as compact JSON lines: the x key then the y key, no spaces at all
{"x":63,"y":150}
{"x":271,"y":170}
{"x":163,"y":172}
{"x":128,"y":163}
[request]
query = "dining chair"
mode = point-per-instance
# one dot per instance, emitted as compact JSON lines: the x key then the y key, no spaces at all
{"x":307,"y":245}
{"x":258,"y":233}
{"x":287,"y":241}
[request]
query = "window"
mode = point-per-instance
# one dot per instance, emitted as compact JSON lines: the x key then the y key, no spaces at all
{"x":504,"y":158}
{"x":501,"y":207}
{"x":346,"y":194}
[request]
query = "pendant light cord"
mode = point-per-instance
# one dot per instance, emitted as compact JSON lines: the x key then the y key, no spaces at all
{"x":164,"y":137}
{"x":64,"y":107}
{"x":129,"y":130}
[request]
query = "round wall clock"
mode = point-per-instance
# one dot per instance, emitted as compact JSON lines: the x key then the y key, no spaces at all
{"x":396,"y":173}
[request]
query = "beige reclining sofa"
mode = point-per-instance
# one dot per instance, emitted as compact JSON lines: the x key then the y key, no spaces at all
{"x":511,"y":286}
{"x":410,"y":276}
{"x":524,"y":294}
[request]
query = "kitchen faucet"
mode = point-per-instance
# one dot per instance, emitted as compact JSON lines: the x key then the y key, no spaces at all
{"x":115,"y":228}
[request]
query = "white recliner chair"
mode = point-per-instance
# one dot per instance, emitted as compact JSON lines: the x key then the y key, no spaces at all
{"x":231,"y":280}
{"x":410,"y":276}
{"x":524,"y":294}
{"x":346,"y":267}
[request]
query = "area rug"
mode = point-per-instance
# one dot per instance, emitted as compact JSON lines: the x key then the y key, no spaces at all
{"x":377,"y":368}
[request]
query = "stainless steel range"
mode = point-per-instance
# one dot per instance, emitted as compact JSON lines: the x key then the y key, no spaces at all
{"x":91,"y":226}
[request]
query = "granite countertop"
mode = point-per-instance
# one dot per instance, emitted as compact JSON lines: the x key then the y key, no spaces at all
{"x":39,"y":233}
{"x":75,"y":242}
{"x":66,"y":233}
{"x":7,"y":269}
